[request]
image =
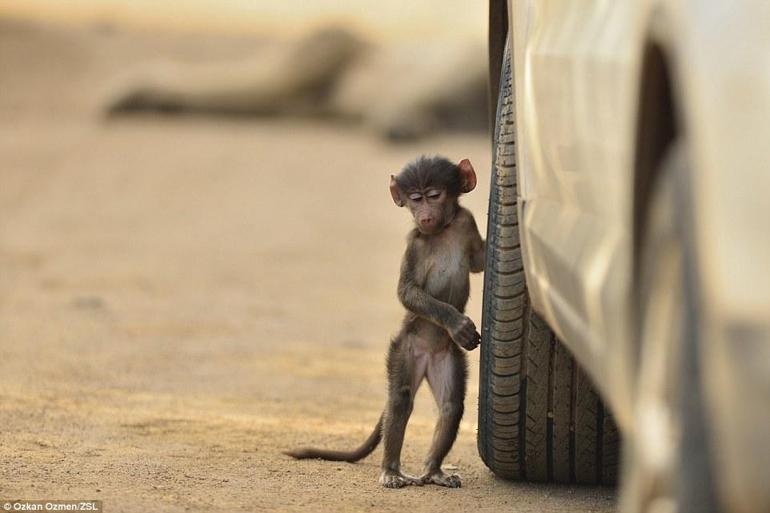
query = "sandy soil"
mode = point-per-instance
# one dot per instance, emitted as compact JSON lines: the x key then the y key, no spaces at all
{"x":181,"y":299}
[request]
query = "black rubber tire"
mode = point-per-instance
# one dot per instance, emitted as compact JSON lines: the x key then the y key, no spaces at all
{"x":540,"y":419}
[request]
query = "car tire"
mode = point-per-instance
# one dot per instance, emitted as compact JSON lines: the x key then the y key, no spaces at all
{"x":540,"y":418}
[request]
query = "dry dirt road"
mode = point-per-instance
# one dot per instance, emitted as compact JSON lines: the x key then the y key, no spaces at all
{"x":181,"y":299}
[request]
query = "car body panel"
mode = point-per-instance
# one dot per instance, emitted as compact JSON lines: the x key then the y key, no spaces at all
{"x":577,"y":69}
{"x":723,"y":58}
{"x":575,"y":89}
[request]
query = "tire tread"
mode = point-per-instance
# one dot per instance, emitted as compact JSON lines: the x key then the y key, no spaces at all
{"x":540,"y":418}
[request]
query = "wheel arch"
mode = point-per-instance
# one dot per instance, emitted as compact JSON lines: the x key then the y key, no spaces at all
{"x":657,"y":127}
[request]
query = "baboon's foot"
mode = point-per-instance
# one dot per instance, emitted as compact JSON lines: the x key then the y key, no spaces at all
{"x":438,"y":477}
{"x":396,"y":479}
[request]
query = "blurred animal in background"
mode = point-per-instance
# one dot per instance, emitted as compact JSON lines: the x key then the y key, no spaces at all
{"x":444,"y":247}
{"x":400,"y":91}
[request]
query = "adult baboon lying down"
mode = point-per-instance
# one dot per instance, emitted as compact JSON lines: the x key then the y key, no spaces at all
{"x":400,"y":91}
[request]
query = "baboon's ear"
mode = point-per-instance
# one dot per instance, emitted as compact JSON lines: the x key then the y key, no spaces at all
{"x":395,"y":192}
{"x":468,"y":175}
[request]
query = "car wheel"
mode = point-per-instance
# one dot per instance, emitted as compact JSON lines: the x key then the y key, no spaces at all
{"x":667,"y":466}
{"x":540,"y":418}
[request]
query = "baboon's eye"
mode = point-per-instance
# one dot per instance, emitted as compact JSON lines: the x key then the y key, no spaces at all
{"x":433,"y":193}
{"x":415,"y":196}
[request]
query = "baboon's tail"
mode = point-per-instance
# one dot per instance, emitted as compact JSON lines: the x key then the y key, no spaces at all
{"x":350,"y":456}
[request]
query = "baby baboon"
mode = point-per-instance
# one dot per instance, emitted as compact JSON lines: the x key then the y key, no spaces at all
{"x":444,"y":247}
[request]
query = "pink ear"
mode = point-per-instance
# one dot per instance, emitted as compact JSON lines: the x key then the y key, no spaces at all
{"x":467,"y":174}
{"x":395,"y":192}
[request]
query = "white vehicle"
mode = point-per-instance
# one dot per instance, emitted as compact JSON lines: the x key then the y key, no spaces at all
{"x":630,"y":221}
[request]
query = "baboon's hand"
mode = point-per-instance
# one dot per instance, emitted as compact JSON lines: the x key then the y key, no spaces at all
{"x":464,"y":333}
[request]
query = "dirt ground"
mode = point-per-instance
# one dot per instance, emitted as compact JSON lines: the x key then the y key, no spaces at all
{"x":182,"y":298}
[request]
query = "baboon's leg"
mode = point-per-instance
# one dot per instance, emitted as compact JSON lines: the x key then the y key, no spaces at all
{"x":446,"y":374}
{"x":404,"y":376}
